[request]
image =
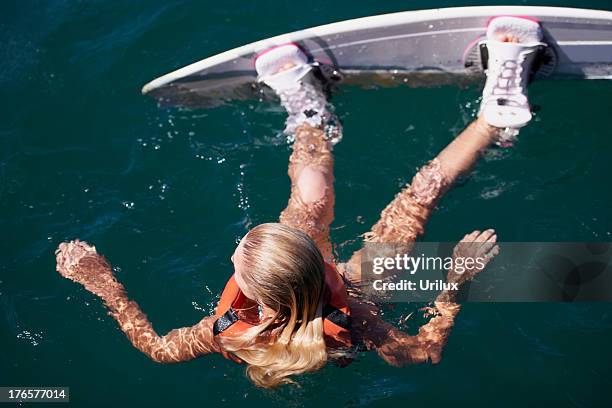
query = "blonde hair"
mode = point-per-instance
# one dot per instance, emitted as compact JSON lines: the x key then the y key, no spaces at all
{"x":285,"y":271}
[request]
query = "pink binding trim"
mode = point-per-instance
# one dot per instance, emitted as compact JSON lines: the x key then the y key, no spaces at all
{"x":474,"y":41}
{"x":535,"y":20}
{"x":275,"y":47}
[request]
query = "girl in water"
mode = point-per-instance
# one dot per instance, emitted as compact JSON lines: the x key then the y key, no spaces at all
{"x":285,"y":310}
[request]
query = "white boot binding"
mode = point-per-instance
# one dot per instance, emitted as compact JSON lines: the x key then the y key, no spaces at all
{"x":303,"y":88}
{"x":509,"y":69}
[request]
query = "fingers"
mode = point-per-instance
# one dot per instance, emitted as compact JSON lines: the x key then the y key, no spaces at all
{"x":477,"y":236}
{"x":494,"y":252}
{"x":485,"y":236}
{"x":488,"y":244}
{"x":471,"y":237}
{"x":483,"y":241}
{"x":74,"y":248}
{"x":478,"y":244}
{"x":68,"y":255}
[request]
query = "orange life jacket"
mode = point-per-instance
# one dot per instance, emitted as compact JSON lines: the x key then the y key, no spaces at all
{"x":336,"y":313}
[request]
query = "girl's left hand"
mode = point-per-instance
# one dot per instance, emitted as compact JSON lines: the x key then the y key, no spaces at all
{"x":479,"y":246}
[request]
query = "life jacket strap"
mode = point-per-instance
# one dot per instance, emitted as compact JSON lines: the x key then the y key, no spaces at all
{"x":334,"y":315}
{"x":337,"y":317}
{"x":224,"y":322}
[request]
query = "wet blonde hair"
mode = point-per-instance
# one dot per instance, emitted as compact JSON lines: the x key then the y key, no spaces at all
{"x":285,"y":271}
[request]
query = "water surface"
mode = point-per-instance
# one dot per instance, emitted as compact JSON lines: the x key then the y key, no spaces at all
{"x":165,"y":194}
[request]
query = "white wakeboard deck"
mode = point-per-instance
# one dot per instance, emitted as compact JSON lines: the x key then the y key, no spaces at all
{"x":417,"y":48}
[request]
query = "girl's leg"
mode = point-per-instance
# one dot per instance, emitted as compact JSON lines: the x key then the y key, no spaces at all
{"x":404,"y":218}
{"x":286,"y":70}
{"x":512,"y":44}
{"x":311,"y":204}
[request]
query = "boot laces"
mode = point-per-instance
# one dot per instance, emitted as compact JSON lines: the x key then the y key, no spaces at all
{"x":507,"y":83}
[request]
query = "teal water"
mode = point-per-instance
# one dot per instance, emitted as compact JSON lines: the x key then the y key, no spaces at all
{"x":165,"y":194}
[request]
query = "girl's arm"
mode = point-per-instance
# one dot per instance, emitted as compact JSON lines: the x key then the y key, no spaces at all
{"x":398,"y":348}
{"x":80,"y":262}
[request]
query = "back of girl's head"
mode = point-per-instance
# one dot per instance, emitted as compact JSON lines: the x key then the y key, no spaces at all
{"x":284,"y":271}
{"x":283,"y":268}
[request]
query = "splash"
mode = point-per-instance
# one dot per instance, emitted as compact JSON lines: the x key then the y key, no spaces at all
{"x":33,"y":338}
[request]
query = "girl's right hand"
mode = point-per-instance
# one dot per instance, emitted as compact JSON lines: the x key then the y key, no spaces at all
{"x":79,"y":262}
{"x":69,"y":254}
